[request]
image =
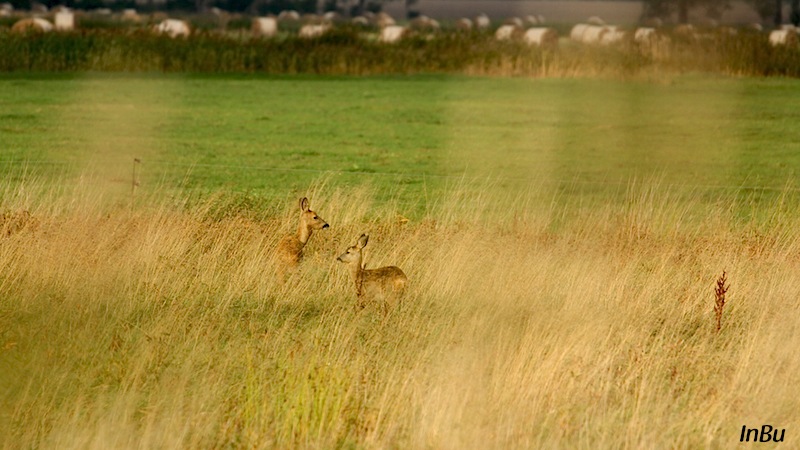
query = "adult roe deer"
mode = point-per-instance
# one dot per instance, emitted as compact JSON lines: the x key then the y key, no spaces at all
{"x":290,"y":249}
{"x":385,"y":282}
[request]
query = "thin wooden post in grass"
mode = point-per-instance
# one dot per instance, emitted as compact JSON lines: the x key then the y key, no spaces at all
{"x":719,"y":298}
{"x":134,"y":181}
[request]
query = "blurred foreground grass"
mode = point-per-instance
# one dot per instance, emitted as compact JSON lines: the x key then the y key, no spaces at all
{"x":527,"y":324}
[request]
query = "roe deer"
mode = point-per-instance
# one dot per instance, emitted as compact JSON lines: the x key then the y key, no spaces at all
{"x":385,"y":282}
{"x":290,"y":249}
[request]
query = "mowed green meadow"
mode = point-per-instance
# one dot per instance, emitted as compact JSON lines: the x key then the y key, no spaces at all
{"x":562,"y":240}
{"x":405,"y":134}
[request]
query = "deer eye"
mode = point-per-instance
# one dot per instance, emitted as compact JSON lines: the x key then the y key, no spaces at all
{"x":315,"y":217}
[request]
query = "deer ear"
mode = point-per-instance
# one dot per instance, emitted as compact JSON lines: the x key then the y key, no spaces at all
{"x":362,"y":241}
{"x":304,"y":204}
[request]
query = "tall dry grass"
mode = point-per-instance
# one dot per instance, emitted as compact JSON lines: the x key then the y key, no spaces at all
{"x":349,"y":51}
{"x":529,"y":323}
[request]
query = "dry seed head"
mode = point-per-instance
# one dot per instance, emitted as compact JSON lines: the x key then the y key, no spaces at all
{"x":719,"y":298}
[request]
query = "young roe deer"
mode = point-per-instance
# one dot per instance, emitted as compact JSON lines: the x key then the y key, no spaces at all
{"x":290,"y":249}
{"x":385,"y":282}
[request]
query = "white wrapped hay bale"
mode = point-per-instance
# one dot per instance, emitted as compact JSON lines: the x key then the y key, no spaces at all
{"x":653,"y":42}
{"x":173,"y":28}
{"x":482,"y":22}
{"x":576,"y":34}
{"x":644,"y":35}
{"x":612,"y":35}
{"x":360,"y":21}
{"x":464,"y":24}
{"x":392,"y":34}
{"x":507,"y":32}
{"x":593,"y":34}
{"x":289,"y":16}
{"x":312,"y":31}
{"x":32,"y":24}
{"x":516,"y":21}
{"x":384,"y":20}
{"x":332,"y":16}
{"x":130,"y":15}
{"x":541,"y":37}
{"x":64,"y":20}
{"x":265,"y":27}
{"x":783,"y":37}
{"x":424,"y":23}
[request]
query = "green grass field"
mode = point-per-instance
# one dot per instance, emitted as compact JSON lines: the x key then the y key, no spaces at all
{"x":404,"y":134}
{"x":562,"y":239}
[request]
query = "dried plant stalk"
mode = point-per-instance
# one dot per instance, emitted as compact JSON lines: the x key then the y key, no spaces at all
{"x":719,"y":298}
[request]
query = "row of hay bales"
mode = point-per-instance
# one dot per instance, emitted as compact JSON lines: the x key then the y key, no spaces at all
{"x":390,"y":31}
{"x":481,"y":22}
{"x":598,"y":33}
{"x":395,"y":33}
{"x":267,"y":25}
{"x":61,"y":18}
{"x":581,"y":33}
{"x":589,"y":33}
{"x":601,"y":34}
{"x":310,"y":25}
{"x":536,"y":36}
{"x":594,"y":31}
{"x":65,"y":20}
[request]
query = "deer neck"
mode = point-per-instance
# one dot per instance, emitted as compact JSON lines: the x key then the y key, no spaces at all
{"x":357,"y":273}
{"x":303,"y":233}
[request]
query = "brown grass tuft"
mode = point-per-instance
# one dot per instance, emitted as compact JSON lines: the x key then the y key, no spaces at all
{"x":719,"y":298}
